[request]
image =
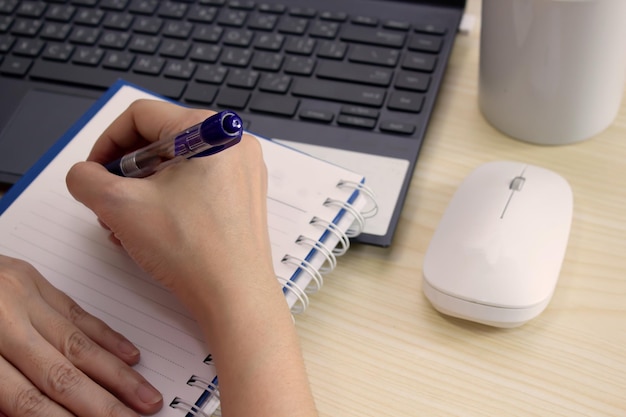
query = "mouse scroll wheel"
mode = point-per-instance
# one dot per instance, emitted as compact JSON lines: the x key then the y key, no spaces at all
{"x":517,"y":183}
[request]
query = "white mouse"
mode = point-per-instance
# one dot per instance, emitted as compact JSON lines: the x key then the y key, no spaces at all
{"x":496,"y":255}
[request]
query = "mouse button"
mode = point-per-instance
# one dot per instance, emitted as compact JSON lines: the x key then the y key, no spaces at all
{"x":517,"y":183}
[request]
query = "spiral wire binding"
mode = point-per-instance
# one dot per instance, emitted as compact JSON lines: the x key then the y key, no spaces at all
{"x":190,"y":409}
{"x":365,"y":190}
{"x":295,"y":289}
{"x":344,"y":242}
{"x":353,"y":231}
{"x":196,"y":381}
{"x":317,"y":279}
{"x":331,"y":260}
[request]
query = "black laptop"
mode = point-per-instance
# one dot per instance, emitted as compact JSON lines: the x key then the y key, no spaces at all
{"x":351,"y":81}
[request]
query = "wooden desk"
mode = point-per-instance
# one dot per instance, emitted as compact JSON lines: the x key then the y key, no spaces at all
{"x":374,"y":345}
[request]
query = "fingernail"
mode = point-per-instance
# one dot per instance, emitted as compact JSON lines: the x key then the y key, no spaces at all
{"x":148,"y":394}
{"x":128,"y":348}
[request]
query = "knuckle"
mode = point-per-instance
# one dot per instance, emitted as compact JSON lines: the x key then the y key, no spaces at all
{"x":29,"y":402}
{"x":77,"y":346}
{"x":64,"y":379}
{"x":76,"y":313}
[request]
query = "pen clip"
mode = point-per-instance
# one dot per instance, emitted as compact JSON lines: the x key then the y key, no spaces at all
{"x":218,"y":148}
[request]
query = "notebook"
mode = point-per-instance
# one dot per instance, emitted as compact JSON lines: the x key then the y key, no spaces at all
{"x":351,"y":81}
{"x":313,"y":206}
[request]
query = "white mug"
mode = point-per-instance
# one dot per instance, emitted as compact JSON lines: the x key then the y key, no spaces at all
{"x":552,"y":71}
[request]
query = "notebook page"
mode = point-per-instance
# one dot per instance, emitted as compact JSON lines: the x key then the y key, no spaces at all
{"x":63,"y":240}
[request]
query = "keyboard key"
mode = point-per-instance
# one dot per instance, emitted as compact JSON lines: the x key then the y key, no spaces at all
{"x":236,"y":57}
{"x":272,"y":8}
{"x":274,"y":104}
{"x":419,"y":62}
{"x":275,"y":83}
{"x":31,"y":9}
{"x":201,"y":93}
{"x":28,"y":47}
{"x":293,"y":25}
{"x":205,"y":53}
{"x":149,"y":65}
{"x":360,"y":111}
{"x":269,"y":41}
{"x":308,"y":12}
{"x":405,"y":101}
{"x":174,"y":48}
{"x":206,"y":33}
{"x":235,"y":18}
{"x":58,"y":51}
{"x":238,"y":37}
{"x":263,"y":21}
{"x":242,"y":78}
{"x":15,"y":66}
{"x":180,"y":30}
{"x":88,"y":56}
{"x":103,"y":78}
{"x":147,"y":25}
{"x":354,"y":72}
{"x":321,"y":29}
{"x":60,"y":13}
{"x":55,"y":31}
{"x":397,"y":127}
{"x":211,"y":74}
{"x":300,"y":46}
{"x":172,"y":10}
{"x":430,"y":28}
{"x":267,"y":61}
{"x":118,"y":60}
{"x":183,"y":70}
{"x":374,"y":55}
{"x":202,"y":14}
{"x":144,"y":44}
{"x":317,"y":115}
{"x":355,"y":121}
{"x":425,"y":43}
{"x":299,"y":65}
{"x":336,"y":91}
{"x":233,"y":98}
{"x":373,"y":36}
{"x":147,"y":7}
{"x":396,"y":25}
{"x":411,"y":80}
{"x":26,"y":27}
{"x":332,"y":50}
{"x":114,"y":40}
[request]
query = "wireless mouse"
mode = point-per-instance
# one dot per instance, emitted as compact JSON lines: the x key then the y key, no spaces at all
{"x":496,"y":254}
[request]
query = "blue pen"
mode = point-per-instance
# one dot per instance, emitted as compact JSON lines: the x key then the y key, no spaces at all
{"x":216,"y":133}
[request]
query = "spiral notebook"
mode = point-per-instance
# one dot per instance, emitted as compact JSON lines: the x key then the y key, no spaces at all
{"x":314,"y":207}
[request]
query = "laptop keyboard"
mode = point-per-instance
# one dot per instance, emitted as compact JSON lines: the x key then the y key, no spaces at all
{"x":329,"y":67}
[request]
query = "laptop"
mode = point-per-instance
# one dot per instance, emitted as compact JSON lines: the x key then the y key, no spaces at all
{"x":350,"y":81}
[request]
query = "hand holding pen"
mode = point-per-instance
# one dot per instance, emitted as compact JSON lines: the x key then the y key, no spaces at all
{"x":216,"y":133}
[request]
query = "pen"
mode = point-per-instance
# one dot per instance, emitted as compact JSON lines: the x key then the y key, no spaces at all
{"x":216,"y":133}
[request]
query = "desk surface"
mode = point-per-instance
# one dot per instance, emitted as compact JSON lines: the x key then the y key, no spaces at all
{"x":374,"y":346}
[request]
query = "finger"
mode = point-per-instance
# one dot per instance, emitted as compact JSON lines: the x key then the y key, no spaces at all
{"x":91,"y":326}
{"x":144,"y":121}
{"x":47,"y":367}
{"x":99,"y":364}
{"x":19,"y":397}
